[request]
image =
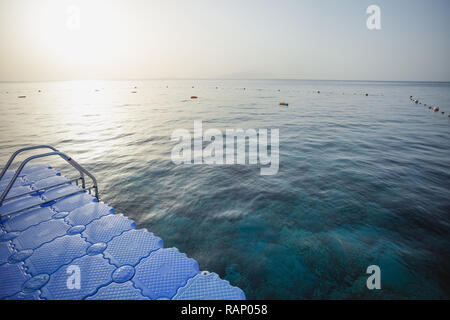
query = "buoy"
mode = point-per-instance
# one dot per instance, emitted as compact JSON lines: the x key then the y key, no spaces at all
{"x":436,"y":109}
{"x":367,"y":94}
{"x":39,"y":90}
{"x":318,"y":91}
{"x":133,"y":91}
{"x":21,"y":96}
{"x":416,"y":101}
{"x":194,"y":97}
{"x":425,"y":104}
{"x":284,"y":104}
{"x":429,"y":108}
{"x":443,"y":112}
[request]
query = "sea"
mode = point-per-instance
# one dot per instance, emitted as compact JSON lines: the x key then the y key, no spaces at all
{"x":363,"y":177}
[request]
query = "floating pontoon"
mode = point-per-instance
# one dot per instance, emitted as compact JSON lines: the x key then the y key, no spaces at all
{"x":59,"y":241}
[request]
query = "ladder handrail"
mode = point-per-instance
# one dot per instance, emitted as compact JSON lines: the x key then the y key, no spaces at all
{"x":68,"y":159}
{"x":13,"y":156}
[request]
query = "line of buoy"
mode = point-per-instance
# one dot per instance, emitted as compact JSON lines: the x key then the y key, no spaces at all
{"x":434,"y":109}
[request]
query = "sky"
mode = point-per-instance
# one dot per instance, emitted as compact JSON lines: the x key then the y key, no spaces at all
{"x":46,"y":40}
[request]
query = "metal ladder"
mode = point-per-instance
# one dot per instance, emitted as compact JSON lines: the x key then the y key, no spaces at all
{"x":54,"y":152}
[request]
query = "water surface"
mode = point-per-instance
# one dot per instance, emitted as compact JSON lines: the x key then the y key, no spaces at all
{"x":362,"y":180}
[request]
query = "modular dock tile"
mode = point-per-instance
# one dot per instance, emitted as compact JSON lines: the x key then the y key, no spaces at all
{"x":39,"y":234}
{"x":118,"y":291}
{"x":13,"y":279}
{"x":19,"y":203}
{"x":71,"y":203}
{"x":60,"y":191}
{"x":45,"y":249}
{"x":50,"y":181}
{"x":5,"y":252}
{"x":90,"y":211}
{"x":52,"y":255}
{"x":29,"y":218}
{"x":131,"y":246}
{"x":35,"y":295}
{"x":94,"y":272}
{"x":107,"y":227}
{"x":208,"y":286}
{"x":163,"y":272}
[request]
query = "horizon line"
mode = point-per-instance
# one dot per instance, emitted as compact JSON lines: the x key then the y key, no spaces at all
{"x":226,"y":78}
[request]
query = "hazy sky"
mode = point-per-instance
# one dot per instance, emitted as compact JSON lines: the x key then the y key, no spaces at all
{"x":137,"y":39}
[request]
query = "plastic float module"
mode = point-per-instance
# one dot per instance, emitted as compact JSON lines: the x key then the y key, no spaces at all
{"x":78,"y":248}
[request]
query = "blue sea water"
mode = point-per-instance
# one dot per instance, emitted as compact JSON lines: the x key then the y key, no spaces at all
{"x":362,"y":180}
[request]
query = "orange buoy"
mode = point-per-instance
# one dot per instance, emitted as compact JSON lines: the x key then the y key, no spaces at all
{"x":194,"y":97}
{"x":284,"y":104}
{"x":435,"y":109}
{"x":133,"y":91}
